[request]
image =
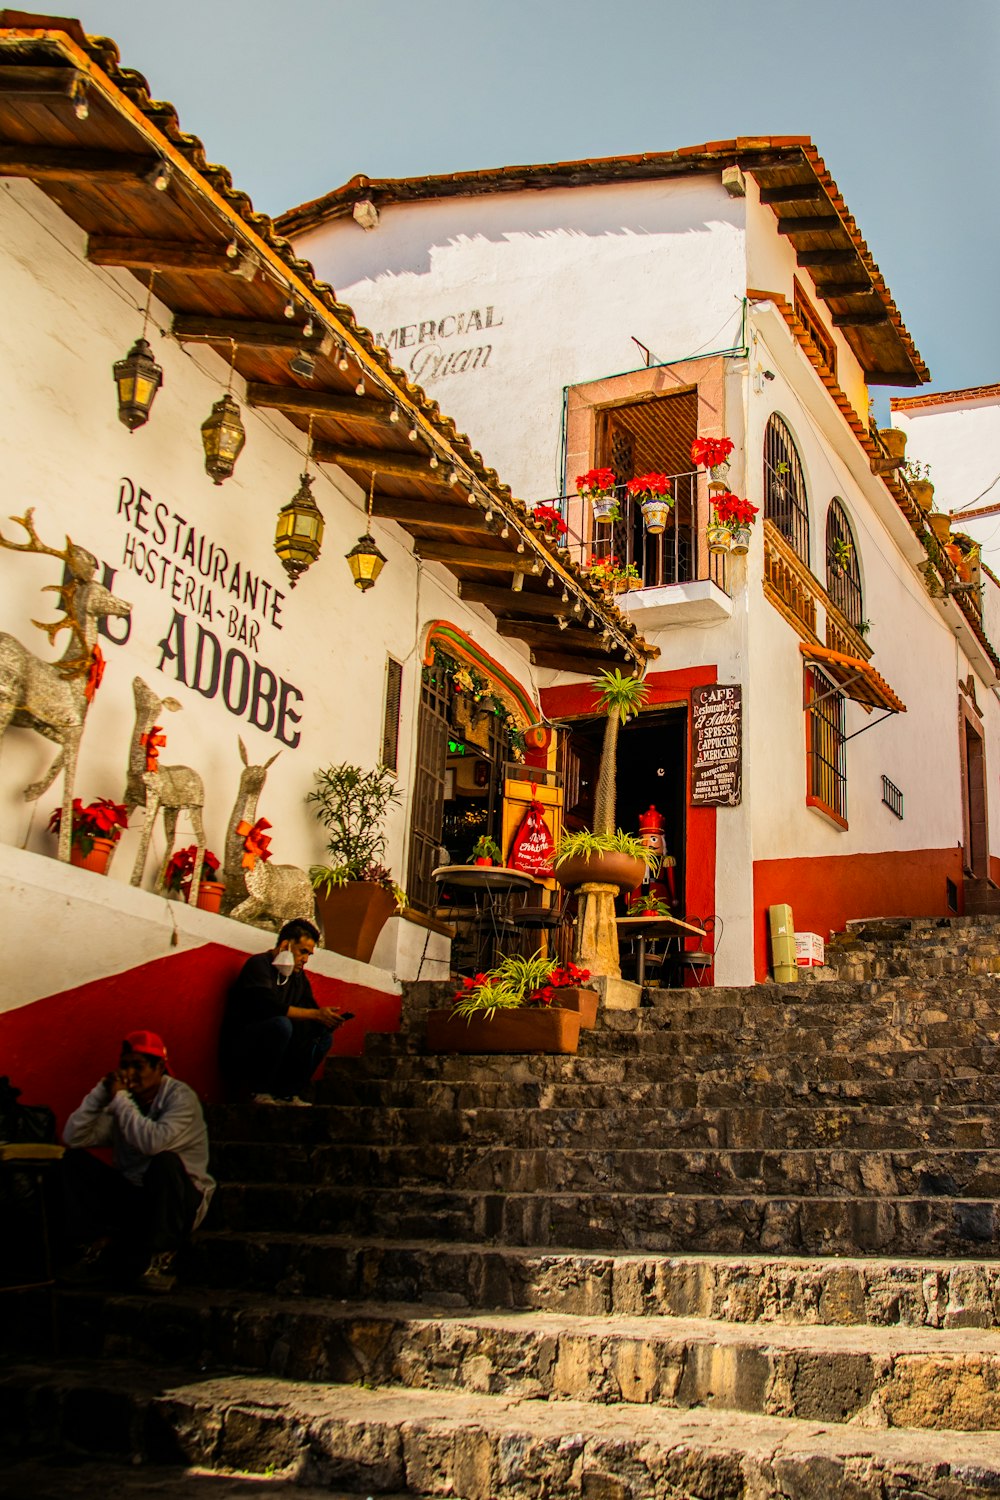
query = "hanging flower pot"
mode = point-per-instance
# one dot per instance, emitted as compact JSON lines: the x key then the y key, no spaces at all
{"x":718,"y":477}
{"x":713,"y":454}
{"x":606,"y":510}
{"x":598,"y":486}
{"x":718,"y":537}
{"x":655,"y":515}
{"x":923,"y":493}
{"x":740,"y":539}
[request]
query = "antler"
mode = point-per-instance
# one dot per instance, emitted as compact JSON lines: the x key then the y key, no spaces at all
{"x":33,"y":544}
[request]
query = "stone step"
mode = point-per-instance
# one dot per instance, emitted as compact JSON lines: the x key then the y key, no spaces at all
{"x":57,"y":1477}
{"x":738,"y":1223}
{"x":900,"y":1377}
{"x":600,"y":1164}
{"x":743,"y":1289}
{"x":485,"y":1447}
{"x":890,"y":1126}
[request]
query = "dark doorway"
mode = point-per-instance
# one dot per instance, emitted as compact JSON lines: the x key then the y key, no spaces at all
{"x":974,"y":800}
{"x":652,"y":769}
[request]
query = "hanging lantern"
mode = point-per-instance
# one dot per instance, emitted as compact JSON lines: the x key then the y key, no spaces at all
{"x":365,"y":561}
{"x":299,"y":535}
{"x":138,"y":378}
{"x":223,"y":435}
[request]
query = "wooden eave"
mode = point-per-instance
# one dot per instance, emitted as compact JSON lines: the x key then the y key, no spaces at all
{"x":793,"y":180}
{"x":230,"y":281}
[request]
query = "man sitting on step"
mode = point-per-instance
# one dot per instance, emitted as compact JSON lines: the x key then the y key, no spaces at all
{"x":274,"y":1035}
{"x":134,"y":1216}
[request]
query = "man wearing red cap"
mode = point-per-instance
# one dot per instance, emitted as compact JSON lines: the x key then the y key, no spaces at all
{"x":134,"y":1215}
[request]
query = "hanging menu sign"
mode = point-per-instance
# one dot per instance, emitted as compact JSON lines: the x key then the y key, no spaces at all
{"x":717,"y":745}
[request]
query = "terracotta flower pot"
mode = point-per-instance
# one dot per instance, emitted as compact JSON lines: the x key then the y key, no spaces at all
{"x":894,"y":442}
{"x":581,"y":1000}
{"x":96,"y":860}
{"x":610,"y":868}
{"x":483,"y":859}
{"x":923,"y":493}
{"x":210,"y":894}
{"x":940,"y":524}
{"x":526,"y":1029}
{"x":353,"y":915}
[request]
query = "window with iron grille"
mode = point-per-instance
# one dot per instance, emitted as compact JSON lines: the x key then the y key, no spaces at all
{"x":390,"y":720}
{"x":826,"y":751}
{"x":785,"y":500}
{"x":843,"y":576}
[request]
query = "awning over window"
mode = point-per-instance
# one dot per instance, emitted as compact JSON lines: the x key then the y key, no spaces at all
{"x":856,"y":678}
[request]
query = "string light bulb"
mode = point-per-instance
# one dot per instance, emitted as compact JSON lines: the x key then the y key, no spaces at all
{"x":359,"y":389}
{"x":289,"y":308}
{"x":343,"y":363}
{"x":563,"y":623}
{"x":452,"y":475}
{"x":412,"y":434}
{"x":394,"y":415}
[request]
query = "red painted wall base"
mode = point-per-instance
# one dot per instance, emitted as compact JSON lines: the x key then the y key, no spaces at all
{"x":57,"y":1048}
{"x":826,"y":893}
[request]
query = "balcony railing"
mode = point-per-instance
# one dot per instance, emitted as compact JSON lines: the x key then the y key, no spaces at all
{"x":677,"y":555}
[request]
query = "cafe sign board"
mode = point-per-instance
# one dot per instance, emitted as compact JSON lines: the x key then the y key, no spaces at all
{"x":717,"y":745}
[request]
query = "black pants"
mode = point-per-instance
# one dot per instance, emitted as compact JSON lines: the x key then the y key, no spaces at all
{"x":142,"y":1221}
{"x":277,"y":1056}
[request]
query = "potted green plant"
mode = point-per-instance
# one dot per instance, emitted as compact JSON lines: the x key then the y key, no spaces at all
{"x":648,"y":905}
{"x":598,"y":486}
{"x":652,"y":493}
{"x":486,"y":851}
{"x":179,"y":871}
{"x":355,"y":894}
{"x":511,"y":1008}
{"x":95,"y":830}
{"x":606,"y":855}
{"x":918,"y":477}
{"x":841,"y":552}
{"x":612,"y":576}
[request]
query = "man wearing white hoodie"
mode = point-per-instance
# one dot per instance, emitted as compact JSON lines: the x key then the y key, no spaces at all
{"x":134,"y":1216}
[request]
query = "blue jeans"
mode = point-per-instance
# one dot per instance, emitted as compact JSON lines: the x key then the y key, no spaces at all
{"x":279,"y":1056}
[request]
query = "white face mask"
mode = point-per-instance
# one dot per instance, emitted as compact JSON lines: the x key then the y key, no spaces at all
{"x":284,"y":962}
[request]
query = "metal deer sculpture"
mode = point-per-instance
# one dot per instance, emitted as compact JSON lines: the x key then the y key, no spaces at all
{"x":258,"y":892}
{"x":53,"y":697}
{"x":172,"y":789}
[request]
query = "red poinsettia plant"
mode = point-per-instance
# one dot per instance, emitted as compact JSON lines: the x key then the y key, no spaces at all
{"x":731,"y":511}
{"x":650,"y":487}
{"x":596,"y":484}
{"x":564,"y":977}
{"x":180,"y":870}
{"x":550,"y":520}
{"x":102,"y":819}
{"x":708,"y":453}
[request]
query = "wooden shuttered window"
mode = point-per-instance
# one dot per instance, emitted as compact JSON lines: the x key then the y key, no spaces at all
{"x":390,"y":721}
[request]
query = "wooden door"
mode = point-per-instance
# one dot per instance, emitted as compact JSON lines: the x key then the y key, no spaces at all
{"x":433,"y":732}
{"x":974,"y":800}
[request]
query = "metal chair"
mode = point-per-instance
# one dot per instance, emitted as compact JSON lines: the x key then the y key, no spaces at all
{"x":698,"y":961}
{"x":531,"y":917}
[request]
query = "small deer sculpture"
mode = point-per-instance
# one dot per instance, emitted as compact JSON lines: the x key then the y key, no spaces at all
{"x":258,"y":892}
{"x":53,"y":697}
{"x":174,"y":789}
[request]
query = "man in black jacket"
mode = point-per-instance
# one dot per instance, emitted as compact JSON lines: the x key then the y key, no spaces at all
{"x":274,"y":1035}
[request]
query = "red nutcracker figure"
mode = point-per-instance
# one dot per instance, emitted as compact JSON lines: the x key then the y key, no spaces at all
{"x":652,"y":837}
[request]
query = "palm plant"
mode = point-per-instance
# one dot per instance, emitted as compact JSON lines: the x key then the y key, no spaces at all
{"x":620,"y":698}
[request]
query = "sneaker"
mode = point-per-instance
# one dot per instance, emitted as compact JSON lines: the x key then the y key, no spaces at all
{"x":298,"y":1101}
{"x":159,"y":1275}
{"x":93,"y":1266}
{"x":265,"y":1099}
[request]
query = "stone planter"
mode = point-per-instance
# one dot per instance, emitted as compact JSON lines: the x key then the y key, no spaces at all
{"x":605,"y":511}
{"x":655,"y":515}
{"x":526,"y":1029}
{"x":610,"y":868}
{"x":581,"y":1000}
{"x":718,"y":538}
{"x":96,"y":860}
{"x":352,"y":916}
{"x":923,"y":493}
{"x":740,"y":539}
{"x":210,"y":893}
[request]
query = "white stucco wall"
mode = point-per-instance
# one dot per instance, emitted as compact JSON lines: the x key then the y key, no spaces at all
{"x":961,"y":442}
{"x":64,"y":452}
{"x":564,"y":279}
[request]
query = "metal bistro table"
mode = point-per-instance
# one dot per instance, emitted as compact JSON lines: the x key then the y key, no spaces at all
{"x":491,"y":887}
{"x":649,"y":926}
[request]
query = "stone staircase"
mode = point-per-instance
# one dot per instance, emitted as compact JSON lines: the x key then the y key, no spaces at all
{"x":740,"y":1246}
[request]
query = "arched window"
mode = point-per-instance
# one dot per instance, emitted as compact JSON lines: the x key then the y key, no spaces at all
{"x":785,"y":500}
{"x":843,"y":576}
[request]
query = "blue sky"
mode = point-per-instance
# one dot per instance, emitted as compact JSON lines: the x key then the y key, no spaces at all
{"x":900,"y":96}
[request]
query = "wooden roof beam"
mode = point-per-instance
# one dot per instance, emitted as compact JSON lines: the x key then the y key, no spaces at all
{"x":194,"y":329}
{"x":56,"y":164}
{"x":821,"y":223}
{"x":164,"y":255}
{"x":380,"y":461}
{"x":580,"y":643}
{"x":502,"y":602}
{"x":436,"y":517}
{"x":295,"y":399}
{"x":831,"y":289}
{"x":796,"y":192}
{"x":39,"y":82}
{"x":808,"y":258}
{"x":488,"y":558}
{"x":567,"y":661}
{"x":859,"y":319}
